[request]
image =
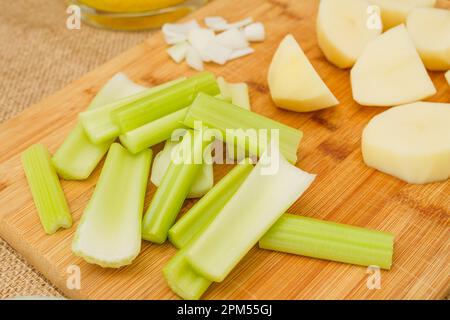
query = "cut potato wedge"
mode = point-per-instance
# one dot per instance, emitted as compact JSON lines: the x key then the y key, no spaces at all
{"x":410,"y":142}
{"x":293,"y":82}
{"x":342,"y":30}
{"x":395,"y":12}
{"x":430,"y":30}
{"x":390,"y":72}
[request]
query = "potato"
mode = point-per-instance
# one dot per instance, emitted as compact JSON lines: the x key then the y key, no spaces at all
{"x":293,"y":82}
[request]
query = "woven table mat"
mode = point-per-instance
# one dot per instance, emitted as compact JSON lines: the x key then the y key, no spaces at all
{"x":38,"y":56}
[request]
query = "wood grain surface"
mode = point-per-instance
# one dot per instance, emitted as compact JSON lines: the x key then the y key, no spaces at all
{"x":345,"y":190}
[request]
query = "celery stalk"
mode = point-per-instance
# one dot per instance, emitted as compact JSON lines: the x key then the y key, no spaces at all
{"x":225,"y":93}
{"x":98,"y":123}
{"x":221,"y":115}
{"x":330,"y":241}
{"x":182,"y":279}
{"x":261,"y":199}
{"x":77,"y":156}
{"x":45,"y":188}
{"x":153,"y":132}
{"x":169,"y":100}
{"x":239,"y":95}
{"x":173,"y":190}
{"x":207,"y":208}
{"x":109,"y":233}
{"x":202,"y":184}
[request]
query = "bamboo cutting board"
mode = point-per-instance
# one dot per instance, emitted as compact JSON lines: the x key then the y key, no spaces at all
{"x":345,"y":190}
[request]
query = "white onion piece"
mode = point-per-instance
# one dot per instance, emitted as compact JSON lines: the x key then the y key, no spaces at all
{"x":199,"y":39}
{"x":220,"y":26}
{"x":240,"y":53}
{"x":193,"y":58}
{"x":217,"y":53}
{"x":255,"y":32}
{"x":178,"y":51}
{"x":215,"y":21}
{"x":233,"y":39}
{"x":177,"y":32}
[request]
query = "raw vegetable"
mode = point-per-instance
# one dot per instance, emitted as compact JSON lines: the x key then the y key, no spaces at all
{"x":202,"y":184}
{"x":330,"y":241}
{"x":430,"y":30}
{"x":220,"y":24}
{"x":233,"y":39}
{"x":164,"y":102}
{"x":395,"y":12}
{"x":153,"y":132}
{"x":182,"y":279}
{"x":389,"y":72}
{"x":199,"y":39}
{"x":178,"y":32}
{"x":178,"y":52}
{"x":45,"y":188}
{"x":255,"y":32}
{"x":293,"y":82}
{"x":109,"y":233}
{"x":77,"y":156}
{"x":98,"y":123}
{"x":410,"y":142}
{"x":336,"y":21}
{"x":215,"y":113}
{"x":174,"y":188}
{"x":194,"y":59}
{"x":236,"y":93}
{"x":256,"y":205}
{"x":207,"y":208}
{"x":241,"y":53}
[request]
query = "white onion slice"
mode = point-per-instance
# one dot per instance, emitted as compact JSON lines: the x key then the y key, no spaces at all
{"x":178,"y":51}
{"x":233,"y":39}
{"x":193,"y":58}
{"x":240,"y":53}
{"x":199,"y":39}
{"x":178,"y":32}
{"x":217,"y":53}
{"x":255,"y":32}
{"x":211,"y":22}
{"x":221,"y":26}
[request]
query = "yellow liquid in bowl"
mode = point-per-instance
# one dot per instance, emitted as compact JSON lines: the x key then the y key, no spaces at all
{"x":130,"y":5}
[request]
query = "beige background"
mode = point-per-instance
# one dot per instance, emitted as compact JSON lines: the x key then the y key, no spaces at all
{"x":39,"y":55}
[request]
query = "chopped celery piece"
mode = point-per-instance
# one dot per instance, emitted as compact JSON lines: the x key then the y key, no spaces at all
{"x":77,"y":156}
{"x":239,"y":95}
{"x":169,"y":100}
{"x":109,"y":233}
{"x":225,"y":93}
{"x":330,"y":241}
{"x":45,"y":188}
{"x":221,"y":115}
{"x":207,"y":208}
{"x":182,"y":279}
{"x":174,"y":188}
{"x":261,"y":199}
{"x":98,"y":123}
{"x":202,"y":184}
{"x":153,"y":132}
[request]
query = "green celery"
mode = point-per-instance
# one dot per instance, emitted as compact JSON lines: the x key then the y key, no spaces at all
{"x":98,"y":123}
{"x":207,"y":208}
{"x":239,"y":95}
{"x":261,"y":199}
{"x":174,"y":188}
{"x":330,"y":241}
{"x":77,"y":156}
{"x":169,"y":100}
{"x":202,"y":184}
{"x":153,"y":132}
{"x":225,"y":93}
{"x":221,"y":115}
{"x":182,"y":279}
{"x":45,"y":188}
{"x":109,"y":233}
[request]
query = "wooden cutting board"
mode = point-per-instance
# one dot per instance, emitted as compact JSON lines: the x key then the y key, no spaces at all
{"x":345,"y":190}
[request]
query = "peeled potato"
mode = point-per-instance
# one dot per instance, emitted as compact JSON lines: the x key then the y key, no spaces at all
{"x":342,"y":30}
{"x":293,"y":82}
{"x":410,"y":142}
{"x":390,"y":72}
{"x":395,"y":12}
{"x":447,"y":76}
{"x":430,"y":30}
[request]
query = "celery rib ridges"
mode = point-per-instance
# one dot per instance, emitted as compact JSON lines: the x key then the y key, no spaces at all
{"x":46,"y":189}
{"x":330,"y":241}
{"x":166,"y":101}
{"x":221,"y":115}
{"x":109,"y":233}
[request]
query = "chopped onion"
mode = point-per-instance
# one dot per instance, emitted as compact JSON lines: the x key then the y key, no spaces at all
{"x":217,"y":53}
{"x":194,"y":59}
{"x":233,"y":39}
{"x":178,"y":32}
{"x":178,"y":51}
{"x":255,"y":32}
{"x":199,"y":39}
{"x":215,"y":21}
{"x":240,"y":53}
{"x":219,"y":25}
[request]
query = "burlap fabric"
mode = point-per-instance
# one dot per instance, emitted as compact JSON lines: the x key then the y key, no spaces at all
{"x":39,"y":55}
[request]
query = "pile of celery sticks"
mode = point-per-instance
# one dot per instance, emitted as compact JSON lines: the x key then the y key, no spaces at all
{"x":244,"y":207}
